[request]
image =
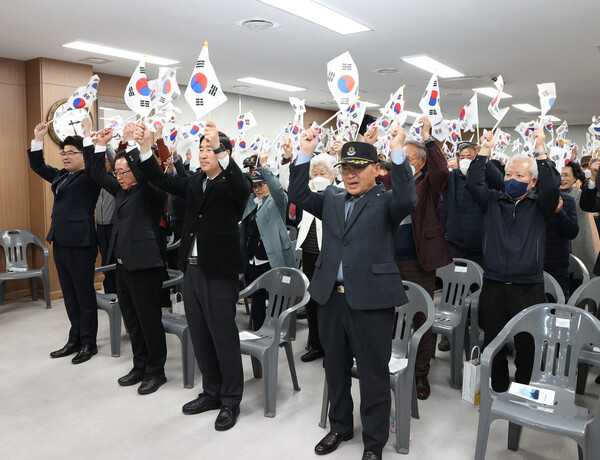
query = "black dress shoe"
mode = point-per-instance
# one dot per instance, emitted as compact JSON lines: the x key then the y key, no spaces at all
{"x":227,"y":418}
{"x":86,"y":352}
{"x":151,"y":383}
{"x":331,"y":441}
{"x":134,"y":376}
{"x":370,"y":455}
{"x":444,"y":344}
{"x":311,"y":355}
{"x":68,"y":349}
{"x":423,"y":388}
{"x":201,"y":404}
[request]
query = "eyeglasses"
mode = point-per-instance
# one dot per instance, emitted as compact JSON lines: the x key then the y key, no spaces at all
{"x":347,"y":169}
{"x":122,"y":173}
{"x":258,"y":185}
{"x":64,"y":153}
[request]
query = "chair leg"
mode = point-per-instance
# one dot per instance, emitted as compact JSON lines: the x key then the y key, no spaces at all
{"x":270,"y":382}
{"x":188,"y":359}
{"x":257,"y":369}
{"x":434,"y":338}
{"x":324,"y":406}
{"x":415,"y":401}
{"x":514,"y":436}
{"x":582,"y":375}
{"x":290,"y":357}
{"x":483,"y":431}
{"x":114,"y":325}
{"x":33,"y":287}
{"x":456,"y":361}
{"x":403,"y":413}
{"x":46,"y":285}
{"x":2,"y":292}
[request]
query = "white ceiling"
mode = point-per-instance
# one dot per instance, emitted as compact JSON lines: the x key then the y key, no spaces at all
{"x":527,"y":41}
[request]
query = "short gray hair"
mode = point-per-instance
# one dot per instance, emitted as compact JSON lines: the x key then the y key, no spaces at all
{"x":533,"y":169}
{"x":420,"y":146}
{"x":323,"y":159}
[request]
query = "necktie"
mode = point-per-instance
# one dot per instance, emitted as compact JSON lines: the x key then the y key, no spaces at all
{"x":351,"y":207}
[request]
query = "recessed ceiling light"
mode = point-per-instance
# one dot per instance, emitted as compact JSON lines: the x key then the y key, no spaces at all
{"x":552,"y":118}
{"x":117,"y":52}
{"x":453,"y":94}
{"x":270,"y":84}
{"x":371,"y":104}
{"x":412,"y":114}
{"x":432,"y":66}
{"x":319,"y":14}
{"x":491,"y":92}
{"x":388,"y":71}
{"x":240,"y":87}
{"x":257,"y":24}
{"x":526,"y":108}
{"x":95,"y":60}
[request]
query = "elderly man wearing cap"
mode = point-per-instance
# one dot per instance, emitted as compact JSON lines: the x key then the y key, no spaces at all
{"x":263,"y":234}
{"x":356,"y":282}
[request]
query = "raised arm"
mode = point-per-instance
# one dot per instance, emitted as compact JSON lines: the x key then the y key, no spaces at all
{"x":476,"y":184}
{"x":404,"y":194}
{"x":548,"y":177}
{"x":589,"y":200}
{"x":36,"y":154}
{"x":97,"y":168}
{"x":299,"y":192}
{"x":493,"y":177}
{"x":275,"y":187}
{"x":437,"y":167}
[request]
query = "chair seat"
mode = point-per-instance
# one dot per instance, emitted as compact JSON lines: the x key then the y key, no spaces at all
{"x":256,"y":347}
{"x":174,"y":323}
{"x":20,"y":275}
{"x":565,"y":424}
{"x":446,"y":321}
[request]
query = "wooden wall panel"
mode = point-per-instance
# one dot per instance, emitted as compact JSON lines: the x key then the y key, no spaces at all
{"x":318,"y":115}
{"x":112,"y":87}
{"x":14,"y":176}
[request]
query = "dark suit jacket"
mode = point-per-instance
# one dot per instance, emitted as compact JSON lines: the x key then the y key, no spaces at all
{"x":211,"y":215}
{"x":74,"y":202}
{"x":136,"y":217}
{"x":432,"y":250}
{"x":365,"y":243}
{"x":590,"y":201}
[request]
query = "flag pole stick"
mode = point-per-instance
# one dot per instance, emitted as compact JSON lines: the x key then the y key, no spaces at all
{"x":329,"y":119}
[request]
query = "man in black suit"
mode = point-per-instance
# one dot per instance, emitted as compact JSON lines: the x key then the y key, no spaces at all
{"x":356,"y":282}
{"x":74,"y":236}
{"x":210,"y":256}
{"x":140,"y":261}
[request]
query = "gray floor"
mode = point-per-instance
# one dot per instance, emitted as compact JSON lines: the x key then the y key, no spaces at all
{"x":51,"y":409}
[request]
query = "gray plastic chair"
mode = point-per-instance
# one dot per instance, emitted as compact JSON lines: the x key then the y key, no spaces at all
{"x":287,"y":290}
{"x":459,"y":279}
{"x":15,"y":242}
{"x":553,"y":292}
{"x":176,"y":323}
{"x":586,"y":296}
{"x":555,"y":368}
{"x":577,"y":269}
{"x":110,"y":304}
{"x":404,"y":345}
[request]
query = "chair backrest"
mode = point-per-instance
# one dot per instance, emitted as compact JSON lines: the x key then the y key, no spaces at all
{"x":286,"y":288}
{"x":577,"y":269}
{"x":14,"y":242}
{"x":587,"y":296}
{"x":554,"y":292}
{"x":459,"y":278}
{"x":418,"y":301}
{"x":559,"y":333}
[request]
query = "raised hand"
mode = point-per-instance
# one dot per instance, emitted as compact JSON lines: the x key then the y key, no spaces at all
{"x":426,"y":129}
{"x":540,"y":139}
{"x":287,"y":148}
{"x":371,"y":135}
{"x":309,"y":141}
{"x":211,"y":134}
{"x":263,"y":159}
{"x":398,"y":138}
{"x":487,"y":143}
{"x":128,"y":131}
{"x":103,"y":137}
{"x":336,"y":148}
{"x":40,"y":131}
{"x":86,"y":124}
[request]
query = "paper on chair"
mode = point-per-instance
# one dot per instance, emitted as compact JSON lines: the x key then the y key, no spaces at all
{"x":538,"y":395}
{"x":245,"y":335}
{"x":397,"y":364}
{"x":16,"y":269}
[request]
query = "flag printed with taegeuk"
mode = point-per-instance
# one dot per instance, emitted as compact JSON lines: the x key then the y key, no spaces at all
{"x":137,"y":91}
{"x":245,"y":121}
{"x":469,"y":115}
{"x":204,"y":92}
{"x":430,"y":102}
{"x":342,"y":80}
{"x":83,"y":97}
{"x":168,"y":89}
{"x":298,"y":106}
{"x":494,"y":107}
{"x":547,"y":94}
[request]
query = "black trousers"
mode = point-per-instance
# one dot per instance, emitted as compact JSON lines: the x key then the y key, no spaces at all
{"x":258,"y":308}
{"x":139,"y":299}
{"x":498,"y":303}
{"x":104,"y":232}
{"x":210,"y":306}
{"x":75,"y":267}
{"x":367,"y":336}
{"x":308,"y":267}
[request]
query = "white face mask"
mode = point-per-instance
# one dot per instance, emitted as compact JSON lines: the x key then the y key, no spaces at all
{"x":587,"y":173}
{"x":319,"y":184}
{"x":464,"y":165}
